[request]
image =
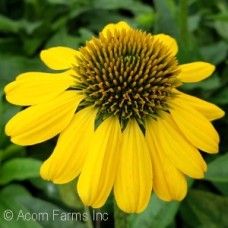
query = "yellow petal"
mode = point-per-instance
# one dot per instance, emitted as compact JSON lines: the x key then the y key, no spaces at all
{"x":59,"y":58}
{"x":35,"y":87}
{"x":196,"y":128}
{"x":133,"y":183}
{"x":41,"y":122}
{"x":168,"y":41}
{"x":111,"y":27}
{"x":99,"y":171}
{"x":67,"y":160}
{"x":195,"y":72}
{"x":169,"y":183}
{"x":209,"y":110}
{"x":183,"y":155}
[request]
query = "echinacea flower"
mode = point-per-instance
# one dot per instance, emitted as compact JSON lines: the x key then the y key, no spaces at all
{"x":122,"y":123}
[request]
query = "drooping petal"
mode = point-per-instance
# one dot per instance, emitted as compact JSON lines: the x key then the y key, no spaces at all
{"x":67,"y":160}
{"x":196,"y":71}
{"x":168,"y":41}
{"x":209,"y":110}
{"x":111,"y":27}
{"x":133,"y":183}
{"x":169,"y":183}
{"x":99,"y":170}
{"x":41,"y":122}
{"x":59,"y":58}
{"x":36,"y":87}
{"x":183,"y":155}
{"x":196,"y":128}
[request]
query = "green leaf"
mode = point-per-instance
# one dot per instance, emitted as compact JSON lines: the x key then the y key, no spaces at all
{"x":222,"y":187}
{"x":218,"y":169}
{"x":193,"y":22}
{"x":135,"y":7}
{"x":8,"y":25}
{"x":63,"y":39}
{"x":9,"y":111}
{"x":158,"y":214}
{"x":9,"y":200}
{"x":67,"y":2}
{"x":215,"y":53}
{"x":222,"y":28}
{"x":112,"y":4}
{"x":11,"y":66}
{"x":210,"y":83}
{"x":19,"y":169}
{"x":1,"y":105}
{"x":30,"y":212}
{"x":205,"y":210}
{"x":86,"y":34}
{"x":12,"y":151}
{"x":54,"y":216}
{"x":220,"y":16}
{"x":48,"y":188}
{"x":69,"y":195}
{"x":165,"y":22}
{"x":222,"y":97}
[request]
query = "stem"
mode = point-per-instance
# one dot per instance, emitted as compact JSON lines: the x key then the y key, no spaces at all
{"x":120,"y":217}
{"x":89,"y":220}
{"x":184,"y":21}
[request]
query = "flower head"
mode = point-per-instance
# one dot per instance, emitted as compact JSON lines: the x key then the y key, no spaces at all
{"x":121,"y":121}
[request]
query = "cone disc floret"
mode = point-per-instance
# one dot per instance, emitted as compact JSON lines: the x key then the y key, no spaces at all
{"x":126,"y":73}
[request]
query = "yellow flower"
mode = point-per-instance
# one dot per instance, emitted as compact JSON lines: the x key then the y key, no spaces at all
{"x":122,"y":122}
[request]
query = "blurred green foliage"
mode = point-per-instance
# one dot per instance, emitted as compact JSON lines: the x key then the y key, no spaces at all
{"x":28,"y":26}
